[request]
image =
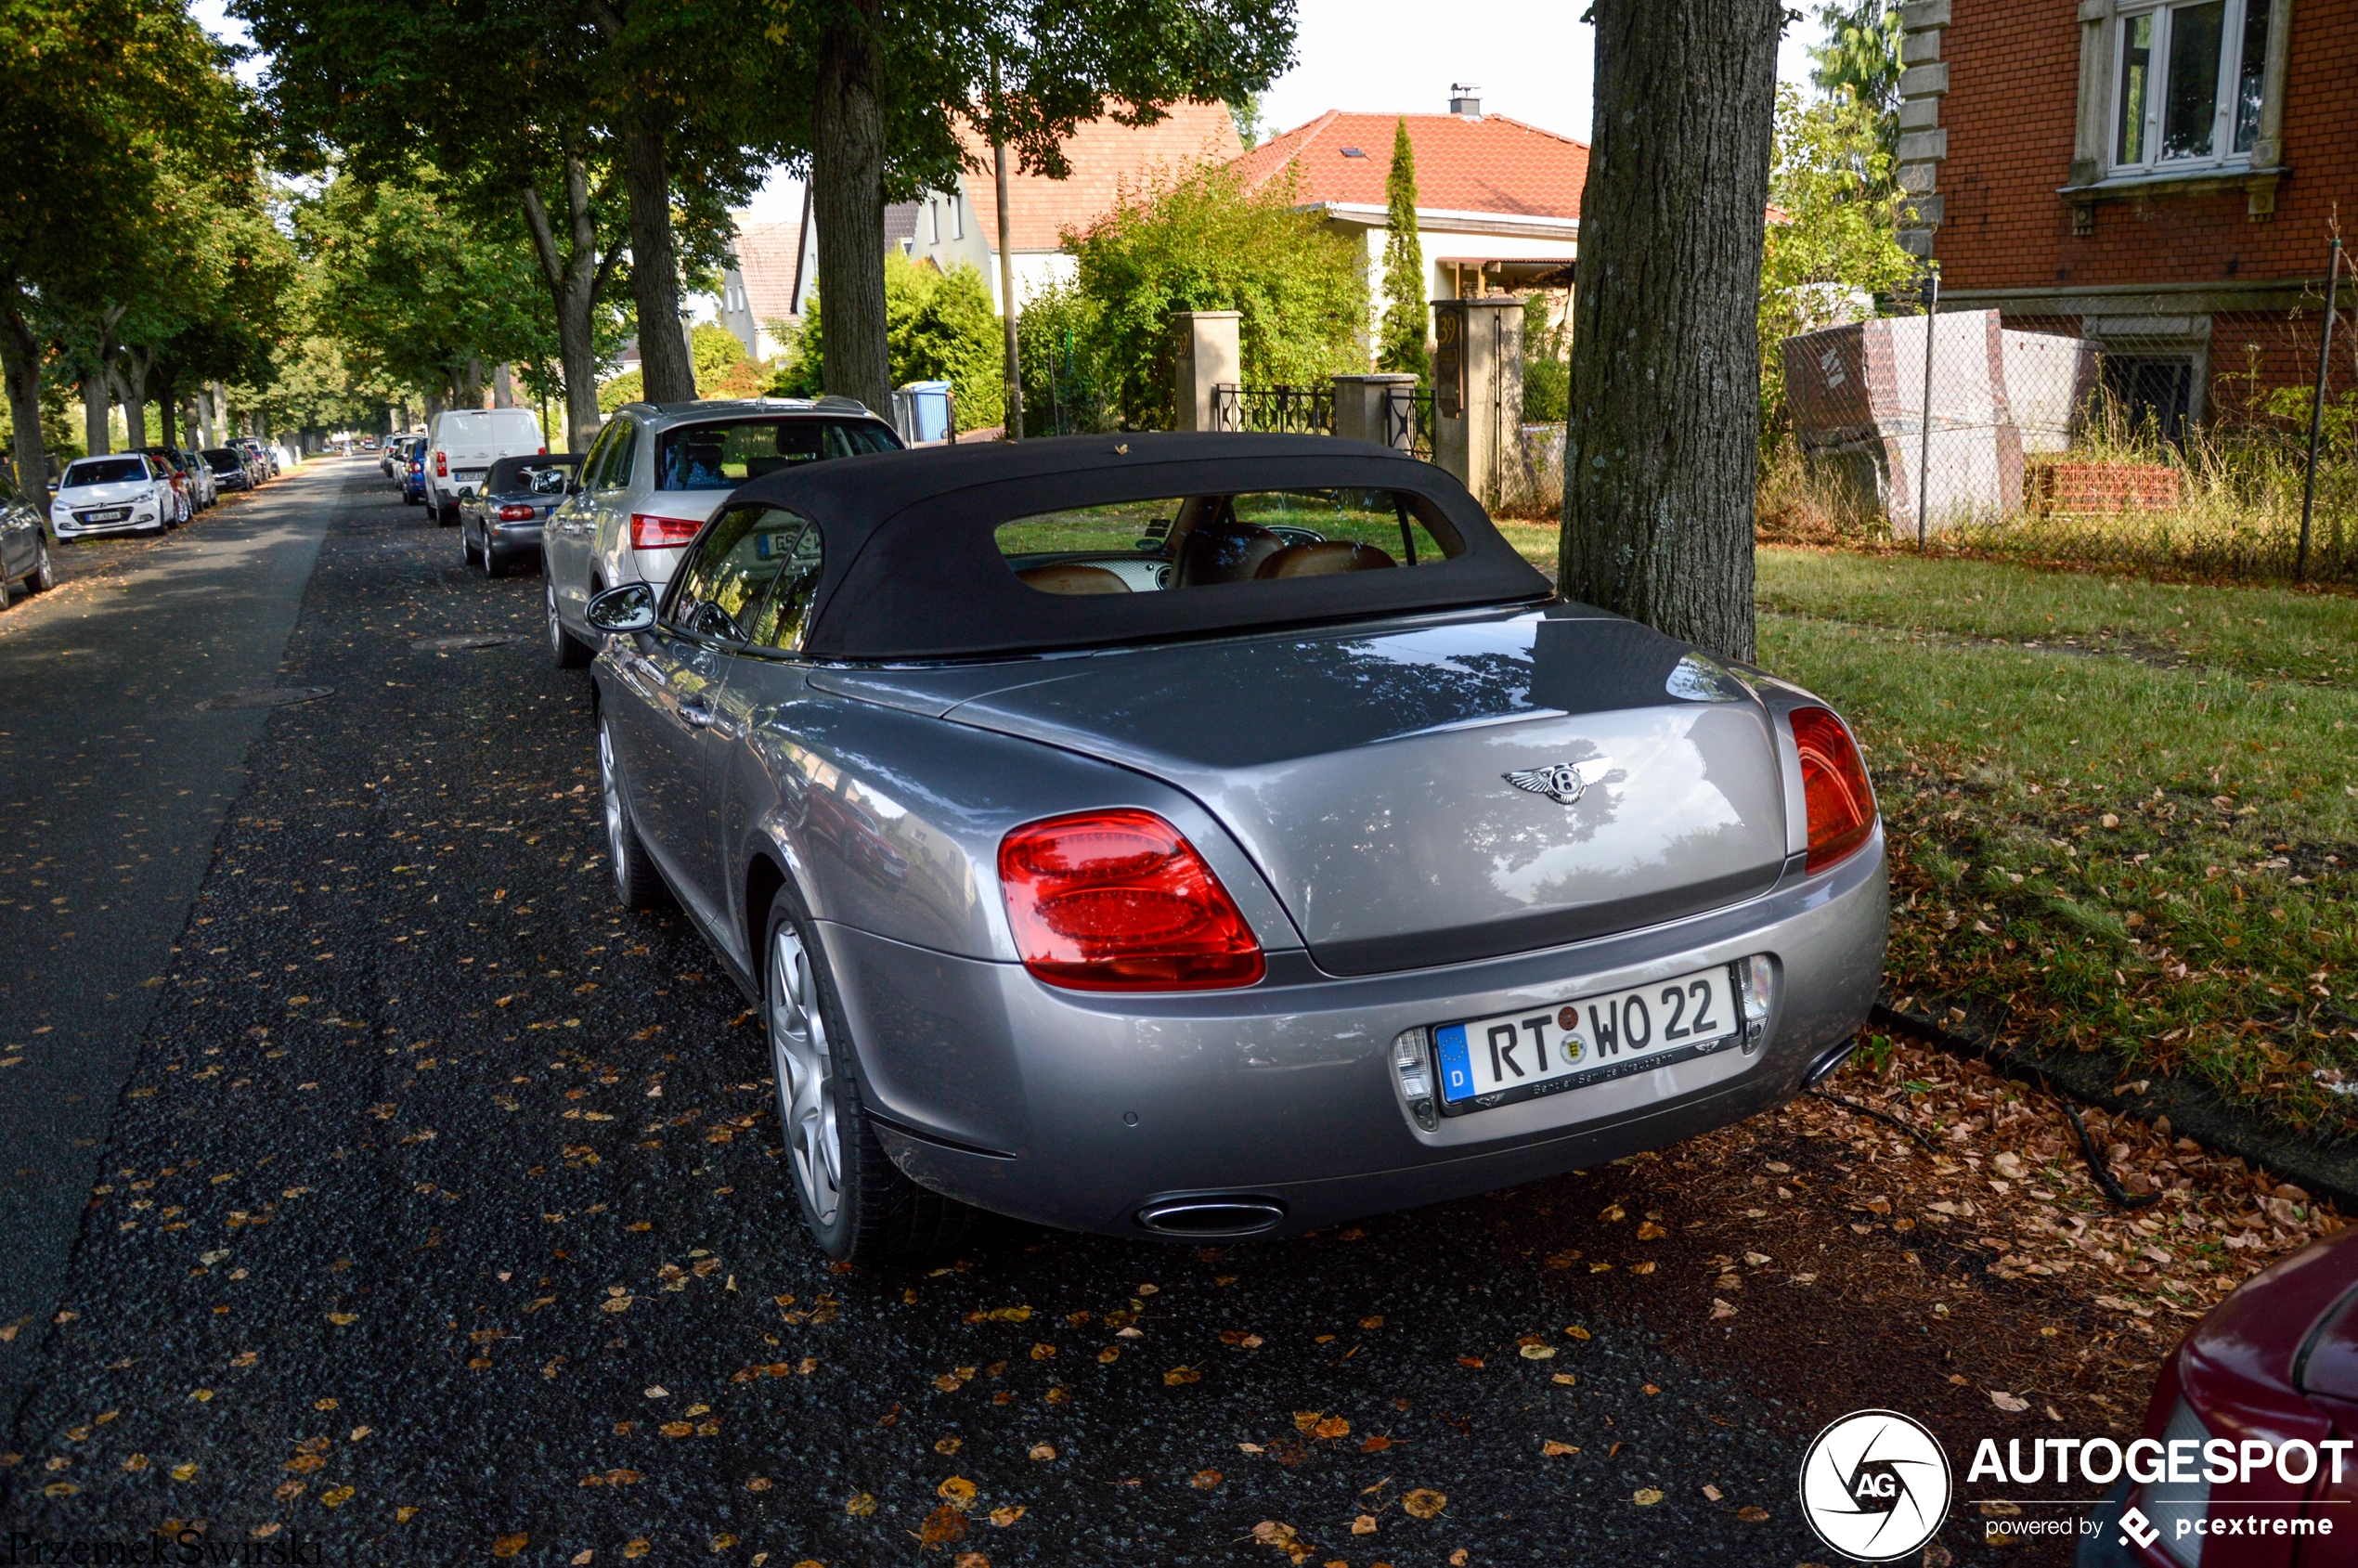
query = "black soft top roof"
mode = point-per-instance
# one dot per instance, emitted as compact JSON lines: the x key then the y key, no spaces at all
{"x":911,"y":570}
{"x":503,"y":472}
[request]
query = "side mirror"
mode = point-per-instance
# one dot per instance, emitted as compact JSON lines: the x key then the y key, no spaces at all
{"x":619,"y":611}
{"x":573,"y":487}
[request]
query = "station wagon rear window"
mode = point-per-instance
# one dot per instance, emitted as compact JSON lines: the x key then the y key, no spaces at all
{"x":725,"y":453}
{"x":1202,"y":541}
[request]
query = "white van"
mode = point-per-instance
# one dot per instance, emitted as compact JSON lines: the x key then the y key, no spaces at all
{"x":465,"y":444}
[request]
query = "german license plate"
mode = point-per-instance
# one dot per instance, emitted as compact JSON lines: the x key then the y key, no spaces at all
{"x":111,"y":514}
{"x":1521,"y":1056}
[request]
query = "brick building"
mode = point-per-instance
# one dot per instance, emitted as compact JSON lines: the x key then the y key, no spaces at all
{"x":2161,"y":177}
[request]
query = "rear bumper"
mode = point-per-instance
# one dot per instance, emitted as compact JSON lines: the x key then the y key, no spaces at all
{"x":508,"y":536}
{"x":1076,"y":1110}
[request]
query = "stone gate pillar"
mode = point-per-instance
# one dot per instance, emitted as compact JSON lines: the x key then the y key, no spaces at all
{"x":1360,"y":402}
{"x":1205,"y":347}
{"x":1477,"y":391}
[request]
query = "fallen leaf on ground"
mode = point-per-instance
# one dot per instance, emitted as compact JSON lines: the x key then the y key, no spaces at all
{"x":941,"y":1527}
{"x":1646,"y":1496}
{"x":1713,"y":1493}
{"x":2008,"y":1402}
{"x":1044,"y":1451}
{"x":507,"y":1545}
{"x":1556,"y":1450}
{"x":1204,"y":1480}
{"x":1751,"y":1515}
{"x":1333,"y":1425}
{"x":1364,"y":1525}
{"x":1720,"y":1309}
{"x":1006,"y":1515}
{"x":1424,"y":1503}
{"x":958,"y":1492}
{"x":859,"y":1505}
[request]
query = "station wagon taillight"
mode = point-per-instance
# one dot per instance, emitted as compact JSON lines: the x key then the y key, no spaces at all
{"x":650,"y":531}
{"x":1834,"y":786}
{"x":1119,"y":900}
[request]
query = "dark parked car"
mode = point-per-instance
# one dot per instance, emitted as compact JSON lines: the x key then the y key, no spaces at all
{"x":1198,"y":835}
{"x":502,"y":521}
{"x":24,"y":547}
{"x":2275,"y":1362}
{"x":230,"y":469}
{"x":410,"y":472}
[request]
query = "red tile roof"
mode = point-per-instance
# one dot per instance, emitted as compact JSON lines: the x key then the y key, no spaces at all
{"x":767,"y":255}
{"x":1491,"y":164}
{"x":1106,"y":156}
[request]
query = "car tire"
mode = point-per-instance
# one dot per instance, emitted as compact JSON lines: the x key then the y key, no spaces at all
{"x":569,"y":651}
{"x":45,"y":575}
{"x":408,"y":499}
{"x":493,"y":565}
{"x":466,"y":545}
{"x":636,"y":881}
{"x":855,"y":1202}
{"x":446,"y":516}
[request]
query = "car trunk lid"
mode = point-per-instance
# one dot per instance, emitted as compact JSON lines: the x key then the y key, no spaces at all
{"x":1368,"y":773}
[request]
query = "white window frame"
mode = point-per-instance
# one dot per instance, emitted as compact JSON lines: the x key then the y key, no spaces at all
{"x":957,"y":216}
{"x":2223,"y":104}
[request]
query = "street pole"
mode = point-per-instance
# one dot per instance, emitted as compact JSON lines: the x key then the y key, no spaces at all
{"x":2317,"y":410}
{"x":1923,"y":433}
{"x":1007,"y":298}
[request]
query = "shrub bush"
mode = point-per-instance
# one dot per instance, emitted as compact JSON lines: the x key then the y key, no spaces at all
{"x":1205,"y":242}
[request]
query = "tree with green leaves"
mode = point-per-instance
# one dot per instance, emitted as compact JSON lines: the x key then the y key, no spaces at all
{"x":1401,"y":340}
{"x":1837,"y":243}
{"x":938,"y":327}
{"x":1861,"y":59}
{"x":102,"y":94}
{"x":892,"y":91}
{"x":1208,"y":241}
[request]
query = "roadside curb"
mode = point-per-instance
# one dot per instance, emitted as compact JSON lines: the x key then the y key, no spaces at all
{"x":2092,"y":1078}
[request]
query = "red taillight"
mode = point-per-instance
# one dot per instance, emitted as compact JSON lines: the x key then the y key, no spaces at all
{"x":544,"y":451}
{"x":1117,"y":900}
{"x":650,"y":531}
{"x":442,"y":465}
{"x":514,"y":513}
{"x":1834,"y":786}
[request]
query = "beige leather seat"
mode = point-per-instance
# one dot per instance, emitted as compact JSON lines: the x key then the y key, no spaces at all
{"x":1072,"y":577}
{"x":1326,"y":557}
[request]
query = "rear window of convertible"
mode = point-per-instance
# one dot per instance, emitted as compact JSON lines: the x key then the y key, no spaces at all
{"x":1213,"y":540}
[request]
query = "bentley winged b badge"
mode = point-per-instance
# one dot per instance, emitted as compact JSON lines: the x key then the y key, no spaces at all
{"x":1565,"y":783}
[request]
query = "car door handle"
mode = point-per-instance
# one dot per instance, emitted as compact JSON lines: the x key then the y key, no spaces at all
{"x":694,"y":711}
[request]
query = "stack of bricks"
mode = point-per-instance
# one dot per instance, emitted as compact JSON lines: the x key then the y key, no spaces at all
{"x":2068,"y":488}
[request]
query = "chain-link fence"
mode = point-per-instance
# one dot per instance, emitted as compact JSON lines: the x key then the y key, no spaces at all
{"x":2178,"y":440}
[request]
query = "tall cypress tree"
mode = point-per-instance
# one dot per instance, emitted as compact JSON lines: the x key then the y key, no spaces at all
{"x":1401,"y":340}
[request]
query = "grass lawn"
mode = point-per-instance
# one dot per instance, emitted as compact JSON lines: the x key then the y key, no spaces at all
{"x":2127,"y":810}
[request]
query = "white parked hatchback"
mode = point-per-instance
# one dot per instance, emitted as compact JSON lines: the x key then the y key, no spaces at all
{"x":657,"y":473}
{"x":465,"y":444}
{"x":114,"y":495}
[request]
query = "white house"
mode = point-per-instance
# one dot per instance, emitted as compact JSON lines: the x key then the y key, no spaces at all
{"x":960,"y":225}
{"x":1498,"y":201}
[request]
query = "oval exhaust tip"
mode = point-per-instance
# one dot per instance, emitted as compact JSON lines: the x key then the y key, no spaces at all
{"x":1825,"y":1066}
{"x":1206,"y":1217}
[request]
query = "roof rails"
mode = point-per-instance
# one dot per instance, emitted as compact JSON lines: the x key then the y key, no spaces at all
{"x":837,"y":400}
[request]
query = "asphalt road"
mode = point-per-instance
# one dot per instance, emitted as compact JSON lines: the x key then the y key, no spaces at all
{"x":112,"y":785}
{"x":441,"y":1213}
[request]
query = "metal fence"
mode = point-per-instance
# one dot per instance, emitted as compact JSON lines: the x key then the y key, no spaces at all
{"x":1407,"y":421}
{"x":1294,"y":410}
{"x":2157,"y":437}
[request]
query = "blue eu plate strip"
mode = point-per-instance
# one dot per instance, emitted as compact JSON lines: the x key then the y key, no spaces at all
{"x":1457,"y":1072}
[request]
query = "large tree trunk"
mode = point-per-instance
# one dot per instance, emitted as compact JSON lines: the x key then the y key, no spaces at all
{"x":165,"y":383}
{"x":667,"y":373}
{"x":575,"y":280}
{"x":847,"y":197}
{"x":20,"y":363}
{"x":1661,"y":449}
{"x":97,"y":404}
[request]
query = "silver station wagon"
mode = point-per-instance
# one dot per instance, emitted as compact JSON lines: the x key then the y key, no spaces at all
{"x":1213,"y":836}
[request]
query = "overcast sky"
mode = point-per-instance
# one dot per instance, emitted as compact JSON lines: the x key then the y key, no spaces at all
{"x":1531,"y":60}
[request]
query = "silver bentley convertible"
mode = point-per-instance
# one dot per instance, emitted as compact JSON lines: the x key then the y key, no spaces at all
{"x":1216,"y":835}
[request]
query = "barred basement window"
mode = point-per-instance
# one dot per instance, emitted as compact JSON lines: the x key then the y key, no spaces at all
{"x":2188,"y":84}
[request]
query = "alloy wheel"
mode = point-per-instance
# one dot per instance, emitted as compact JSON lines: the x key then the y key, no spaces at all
{"x":557,"y":633}
{"x":804,"y":1069}
{"x":45,"y":575}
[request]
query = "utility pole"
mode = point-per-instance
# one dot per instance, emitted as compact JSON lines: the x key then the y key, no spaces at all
{"x":2316,"y":409}
{"x":1924,"y":435}
{"x":1007,"y":297}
